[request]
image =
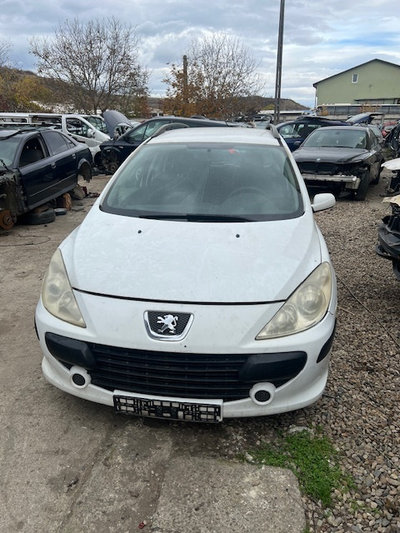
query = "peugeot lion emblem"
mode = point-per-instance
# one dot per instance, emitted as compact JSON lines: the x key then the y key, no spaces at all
{"x":168,"y":325}
{"x":169,"y":322}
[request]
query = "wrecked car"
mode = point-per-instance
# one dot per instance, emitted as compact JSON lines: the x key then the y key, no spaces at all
{"x":388,"y":245}
{"x":392,"y":140}
{"x":36,"y":166}
{"x":341,"y":158}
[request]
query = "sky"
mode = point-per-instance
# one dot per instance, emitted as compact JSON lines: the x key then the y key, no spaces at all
{"x":320,"y":38}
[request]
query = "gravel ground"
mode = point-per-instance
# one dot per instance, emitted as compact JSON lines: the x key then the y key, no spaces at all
{"x":360,"y":410}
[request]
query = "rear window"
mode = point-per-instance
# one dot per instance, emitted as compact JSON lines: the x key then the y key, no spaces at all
{"x":207,"y":182}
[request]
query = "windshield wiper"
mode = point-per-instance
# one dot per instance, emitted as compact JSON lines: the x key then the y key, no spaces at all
{"x":4,"y":165}
{"x":197,"y":217}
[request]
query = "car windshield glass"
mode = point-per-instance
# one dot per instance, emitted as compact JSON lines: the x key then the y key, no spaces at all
{"x":207,"y":182}
{"x":8,"y":148}
{"x":340,"y":138}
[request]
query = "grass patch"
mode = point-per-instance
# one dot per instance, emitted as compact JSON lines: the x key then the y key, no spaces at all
{"x":313,"y":460}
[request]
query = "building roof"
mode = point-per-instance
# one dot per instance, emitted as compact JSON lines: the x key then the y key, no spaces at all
{"x":357,"y":66}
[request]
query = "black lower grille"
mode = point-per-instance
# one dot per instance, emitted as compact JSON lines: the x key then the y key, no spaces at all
{"x":315,"y":167}
{"x":179,"y":374}
{"x":187,"y":375}
{"x":169,"y":374}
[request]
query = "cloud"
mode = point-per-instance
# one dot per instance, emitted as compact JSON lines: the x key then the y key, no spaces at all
{"x":320,"y":38}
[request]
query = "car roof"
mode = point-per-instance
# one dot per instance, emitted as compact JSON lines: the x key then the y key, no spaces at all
{"x":8,"y":132}
{"x":194,"y":120}
{"x":27,"y":131}
{"x":344,"y":128}
{"x":217,"y":135}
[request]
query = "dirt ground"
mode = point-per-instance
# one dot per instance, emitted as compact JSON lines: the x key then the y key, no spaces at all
{"x":71,"y":465}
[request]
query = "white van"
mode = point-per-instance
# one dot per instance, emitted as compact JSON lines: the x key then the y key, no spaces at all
{"x":89,"y":129}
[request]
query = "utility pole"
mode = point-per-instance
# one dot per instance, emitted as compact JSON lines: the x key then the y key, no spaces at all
{"x":185,"y":81}
{"x":278,"y":77}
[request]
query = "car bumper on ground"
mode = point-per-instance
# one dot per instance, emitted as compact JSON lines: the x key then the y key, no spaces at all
{"x":217,"y":363}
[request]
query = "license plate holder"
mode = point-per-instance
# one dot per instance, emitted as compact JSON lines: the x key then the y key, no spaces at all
{"x":176,"y":409}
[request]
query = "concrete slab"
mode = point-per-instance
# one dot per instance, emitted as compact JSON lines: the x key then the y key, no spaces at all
{"x":203,"y":495}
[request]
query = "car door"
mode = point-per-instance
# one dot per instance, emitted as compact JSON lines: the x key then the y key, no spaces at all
{"x":63,"y":151}
{"x":37,"y":173}
{"x":41,"y":178}
{"x":136,"y":136}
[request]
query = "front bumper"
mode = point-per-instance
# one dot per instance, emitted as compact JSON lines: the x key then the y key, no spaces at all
{"x":286,"y":374}
{"x":350,"y":182}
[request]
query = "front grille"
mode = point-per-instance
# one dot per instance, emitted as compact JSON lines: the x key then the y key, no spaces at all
{"x":315,"y":167}
{"x":169,"y":374}
{"x":176,"y":374}
{"x":187,"y":375}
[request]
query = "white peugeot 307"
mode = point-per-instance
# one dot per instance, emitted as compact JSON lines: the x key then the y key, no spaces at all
{"x":198,"y":286}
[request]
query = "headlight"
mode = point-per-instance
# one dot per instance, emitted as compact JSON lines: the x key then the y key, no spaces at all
{"x":57,"y":295}
{"x":306,"y":307}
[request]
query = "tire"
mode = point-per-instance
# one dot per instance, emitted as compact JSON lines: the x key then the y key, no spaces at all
{"x":362,"y":190}
{"x":111,"y":162}
{"x":42,"y":217}
{"x":376,"y":180}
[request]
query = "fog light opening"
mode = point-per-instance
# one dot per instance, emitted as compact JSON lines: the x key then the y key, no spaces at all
{"x":262,"y":393}
{"x":79,"y":377}
{"x":262,"y":396}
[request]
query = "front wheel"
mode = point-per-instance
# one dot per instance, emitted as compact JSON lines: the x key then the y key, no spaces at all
{"x":361,"y":192}
{"x":111,"y":162}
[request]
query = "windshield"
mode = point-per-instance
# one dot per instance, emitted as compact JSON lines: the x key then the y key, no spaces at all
{"x":8,"y":147}
{"x":201,"y":182}
{"x":337,"y":138}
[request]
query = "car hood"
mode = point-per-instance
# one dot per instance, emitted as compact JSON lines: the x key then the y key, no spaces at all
{"x":191,"y":261}
{"x":329,"y":155}
{"x":113,"y":118}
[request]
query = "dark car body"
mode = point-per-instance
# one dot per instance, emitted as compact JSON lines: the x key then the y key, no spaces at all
{"x":115,"y":151}
{"x":388,"y":245}
{"x":37,"y":166}
{"x":341,"y":157}
{"x":296,"y":131}
{"x":392,"y":139}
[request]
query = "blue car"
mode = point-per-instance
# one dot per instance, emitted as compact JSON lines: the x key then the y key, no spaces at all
{"x":296,"y":131}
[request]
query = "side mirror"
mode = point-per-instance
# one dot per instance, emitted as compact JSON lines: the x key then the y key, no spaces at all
{"x":322,"y":201}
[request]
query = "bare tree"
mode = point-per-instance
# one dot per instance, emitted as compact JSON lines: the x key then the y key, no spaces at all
{"x":219,"y":73}
{"x":97,"y":61}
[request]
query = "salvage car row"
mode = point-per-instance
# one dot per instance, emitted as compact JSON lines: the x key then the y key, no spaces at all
{"x":344,"y":158}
